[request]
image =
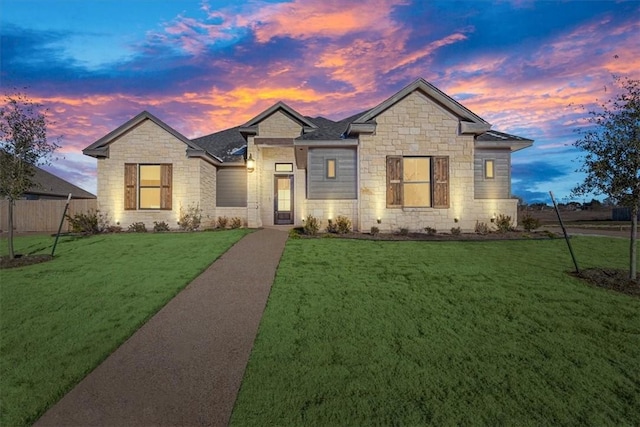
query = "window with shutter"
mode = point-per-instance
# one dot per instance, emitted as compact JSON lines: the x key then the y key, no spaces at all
{"x":417,"y":181}
{"x":130,"y":186}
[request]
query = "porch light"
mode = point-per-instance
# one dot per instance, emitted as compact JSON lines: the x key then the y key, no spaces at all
{"x":251,"y":164}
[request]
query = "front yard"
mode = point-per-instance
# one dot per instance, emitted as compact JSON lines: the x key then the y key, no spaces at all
{"x":444,"y":333}
{"x":61,"y":318}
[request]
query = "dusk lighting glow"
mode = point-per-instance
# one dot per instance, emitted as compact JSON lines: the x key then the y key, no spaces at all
{"x":526,"y":67}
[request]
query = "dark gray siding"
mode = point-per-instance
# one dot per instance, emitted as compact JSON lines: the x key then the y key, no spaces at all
{"x":231,"y":187}
{"x":498,"y":187}
{"x":343,"y":186}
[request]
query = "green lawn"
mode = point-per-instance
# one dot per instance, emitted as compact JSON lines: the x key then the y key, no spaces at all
{"x":60,"y":319}
{"x":444,"y":333}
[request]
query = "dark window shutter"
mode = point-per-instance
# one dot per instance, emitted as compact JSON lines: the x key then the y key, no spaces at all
{"x":166,"y":177}
{"x":394,"y":181}
{"x":130,"y":185}
{"x":441,"y":182}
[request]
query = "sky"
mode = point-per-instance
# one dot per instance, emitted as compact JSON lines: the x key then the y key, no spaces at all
{"x":530,"y":68}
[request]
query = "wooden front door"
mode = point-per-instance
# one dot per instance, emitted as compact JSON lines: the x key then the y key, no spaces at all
{"x":283,"y":200}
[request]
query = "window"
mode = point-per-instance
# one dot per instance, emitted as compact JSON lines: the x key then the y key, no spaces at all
{"x":284,"y":167}
{"x":331,"y":169}
{"x":147,"y":186}
{"x":414,"y":182}
{"x":489,"y":169}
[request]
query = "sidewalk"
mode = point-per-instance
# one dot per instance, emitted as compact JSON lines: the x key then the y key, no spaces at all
{"x":185,"y":365}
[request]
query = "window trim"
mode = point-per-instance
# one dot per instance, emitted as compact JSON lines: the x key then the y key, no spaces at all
{"x":132,"y":186}
{"x":491,"y":162}
{"x":328,"y":169}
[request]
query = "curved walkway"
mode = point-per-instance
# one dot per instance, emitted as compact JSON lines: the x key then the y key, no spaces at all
{"x":185,"y":365}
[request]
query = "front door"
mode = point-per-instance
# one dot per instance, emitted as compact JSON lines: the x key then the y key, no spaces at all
{"x":283,"y":200}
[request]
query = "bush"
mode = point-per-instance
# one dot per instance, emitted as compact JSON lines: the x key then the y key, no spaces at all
{"x":374,"y":230}
{"x":503,"y":223}
{"x":160,"y":226}
{"x":92,"y":222}
{"x":311,"y":226}
{"x":137,"y":227}
{"x":294,"y":233}
{"x":343,"y":224}
{"x":482,"y":227}
{"x":223,"y":221}
{"x":331,"y":226}
{"x":236,"y":222}
{"x":430,"y":231}
{"x":456,"y":231}
{"x":530,"y":223}
{"x":113,"y":229}
{"x":191,"y":218}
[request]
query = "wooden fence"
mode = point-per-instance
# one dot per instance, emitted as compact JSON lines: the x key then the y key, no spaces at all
{"x":41,"y":215}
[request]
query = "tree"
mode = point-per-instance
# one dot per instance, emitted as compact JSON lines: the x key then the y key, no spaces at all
{"x":23,"y":145}
{"x":612,"y":159}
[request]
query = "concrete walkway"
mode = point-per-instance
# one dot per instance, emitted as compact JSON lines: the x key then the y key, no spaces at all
{"x":185,"y":365}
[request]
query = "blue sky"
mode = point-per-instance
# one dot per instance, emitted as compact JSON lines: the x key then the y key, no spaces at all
{"x":528,"y":67}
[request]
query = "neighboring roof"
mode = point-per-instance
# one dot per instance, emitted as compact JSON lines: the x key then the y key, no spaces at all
{"x":495,"y":139}
{"x":329,"y":130}
{"x":100,"y":148}
{"x":47,"y":184}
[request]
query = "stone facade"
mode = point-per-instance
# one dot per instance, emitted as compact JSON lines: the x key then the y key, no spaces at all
{"x":193,"y":181}
{"x":417,"y":126}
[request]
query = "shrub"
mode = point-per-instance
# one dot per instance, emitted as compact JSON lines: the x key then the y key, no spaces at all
{"x":430,"y":231}
{"x":91,"y":222}
{"x":160,"y":226}
{"x":223,"y":221}
{"x":344,"y":224}
{"x":374,"y":230}
{"x":404,"y":231}
{"x":294,"y":233}
{"x":482,"y":227}
{"x":503,"y":223}
{"x":331,"y":226}
{"x":311,"y":226}
{"x":137,"y":227}
{"x":191,"y":218}
{"x":236,"y":222}
{"x":456,"y":231}
{"x":113,"y":229}
{"x":530,"y":223}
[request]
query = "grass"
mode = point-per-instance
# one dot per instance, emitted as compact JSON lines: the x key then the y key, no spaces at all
{"x":61,"y":318}
{"x":444,"y":333}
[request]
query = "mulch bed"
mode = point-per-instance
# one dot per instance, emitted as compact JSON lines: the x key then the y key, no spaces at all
{"x":511,"y":235}
{"x":23,"y":260}
{"x":612,"y":279}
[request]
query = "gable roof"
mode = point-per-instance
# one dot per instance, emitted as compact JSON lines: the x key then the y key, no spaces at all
{"x":281,"y":106}
{"x":100,"y":148}
{"x":430,"y":91}
{"x":495,"y":139}
{"x":48,"y":184}
{"x":225,"y":144}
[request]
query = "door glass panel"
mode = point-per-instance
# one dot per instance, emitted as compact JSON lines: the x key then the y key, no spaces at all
{"x":284,"y":194}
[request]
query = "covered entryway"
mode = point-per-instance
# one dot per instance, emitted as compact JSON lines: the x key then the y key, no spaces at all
{"x":283,"y":200}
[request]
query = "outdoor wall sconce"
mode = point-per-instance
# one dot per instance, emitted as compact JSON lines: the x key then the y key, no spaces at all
{"x":379,"y":220}
{"x":493,"y":218}
{"x":251,"y":164}
{"x":456,"y":219}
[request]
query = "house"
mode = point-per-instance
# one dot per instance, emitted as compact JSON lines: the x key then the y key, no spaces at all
{"x":419,"y":159}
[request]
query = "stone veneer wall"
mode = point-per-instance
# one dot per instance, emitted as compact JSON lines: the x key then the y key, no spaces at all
{"x":416,"y":126}
{"x":149,"y":143}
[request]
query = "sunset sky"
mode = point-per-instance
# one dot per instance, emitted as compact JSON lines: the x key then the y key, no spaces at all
{"x":526,"y":67}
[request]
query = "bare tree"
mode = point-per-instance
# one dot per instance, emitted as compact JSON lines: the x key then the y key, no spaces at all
{"x":612,"y":159}
{"x":23,"y":145}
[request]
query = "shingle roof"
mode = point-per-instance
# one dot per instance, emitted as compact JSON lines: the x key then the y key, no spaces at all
{"x":223,"y":144}
{"x":47,"y":184}
{"x":494,"y":135}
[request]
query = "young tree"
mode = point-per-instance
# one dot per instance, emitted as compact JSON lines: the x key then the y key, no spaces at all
{"x":612,"y":159}
{"x":23,"y":145}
